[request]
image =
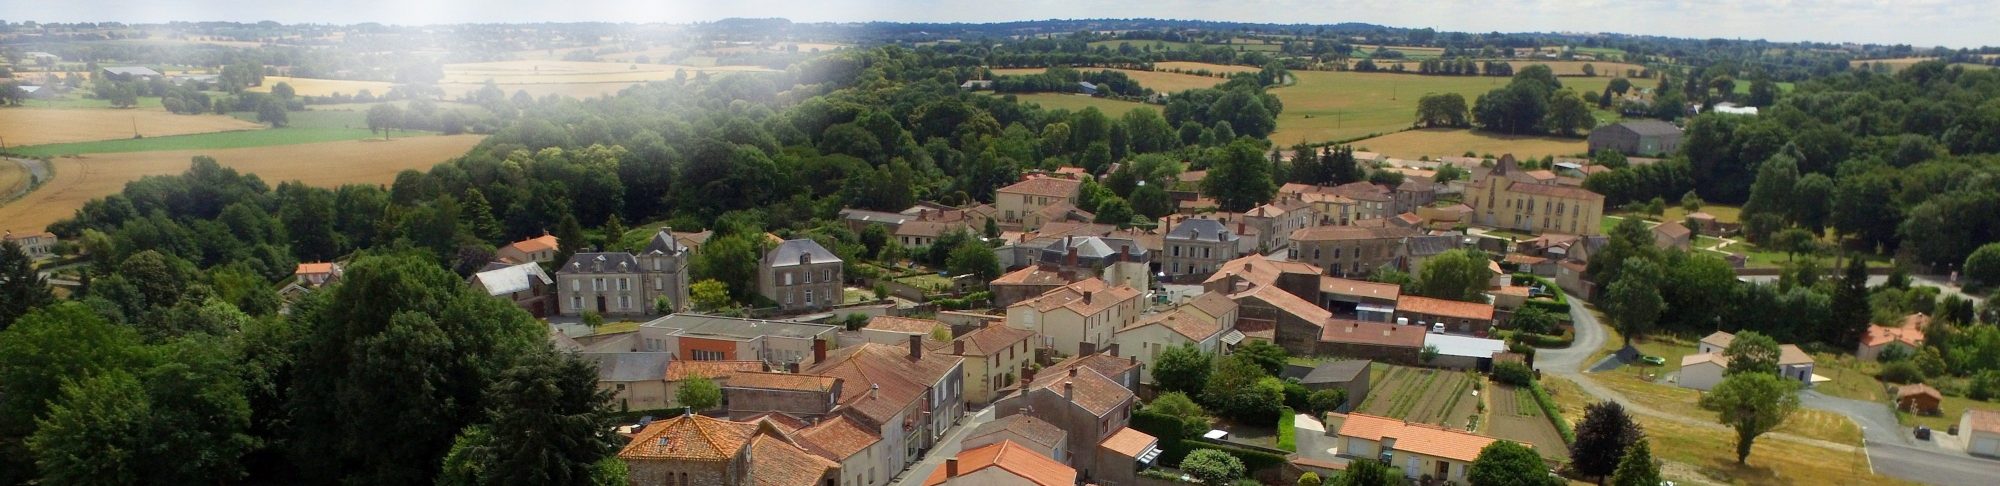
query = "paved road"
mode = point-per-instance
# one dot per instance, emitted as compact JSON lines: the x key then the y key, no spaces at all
{"x":946,"y":448}
{"x":1890,"y":451}
{"x":1893,"y":451}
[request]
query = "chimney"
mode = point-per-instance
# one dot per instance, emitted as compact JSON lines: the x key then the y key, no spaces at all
{"x":1072,"y":372}
{"x":1069,"y":389}
{"x":1027,"y":375}
{"x":792,"y":368}
{"x":1113,"y":348}
{"x":1086,"y":297}
{"x":819,"y":350}
{"x":916,"y":347}
{"x":1071,"y":259}
{"x":1085,"y":348}
{"x":1239,"y":227}
{"x":951,"y":467}
{"x":958,"y":347}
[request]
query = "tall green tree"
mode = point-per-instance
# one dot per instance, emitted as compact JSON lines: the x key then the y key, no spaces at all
{"x":399,"y":344}
{"x":974,"y":258}
{"x":699,"y":393}
{"x":731,"y":260}
{"x":1507,"y":463}
{"x":548,"y":425}
{"x":1182,"y":369}
{"x":1568,"y":114}
{"x":478,"y":214}
{"x":1633,"y":302}
{"x":1602,"y":438}
{"x":1240,"y":389}
{"x":1238,"y":176}
{"x":1461,"y":275}
{"x":62,"y":343}
{"x":1754,"y":353}
{"x":1851,"y":309}
{"x":22,"y":289}
{"x":1752,"y":403}
{"x":1637,"y":467}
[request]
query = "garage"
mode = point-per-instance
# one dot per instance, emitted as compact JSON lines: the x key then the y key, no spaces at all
{"x":1981,"y":429}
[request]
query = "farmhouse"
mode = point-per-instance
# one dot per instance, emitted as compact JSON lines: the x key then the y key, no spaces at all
{"x":1421,"y":450}
{"x":1907,"y":336}
{"x":536,"y":250}
{"x":36,"y":245}
{"x":1511,"y":198}
{"x":1645,"y":138}
{"x":801,"y":275}
{"x":1349,"y":251}
{"x":1981,"y":429}
{"x":1019,"y":202}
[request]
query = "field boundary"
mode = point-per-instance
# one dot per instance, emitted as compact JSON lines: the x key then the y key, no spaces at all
{"x":36,"y":178}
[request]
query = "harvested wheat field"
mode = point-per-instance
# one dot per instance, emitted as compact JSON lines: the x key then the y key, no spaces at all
{"x":80,"y":179}
{"x":324,"y":87}
{"x":13,"y":178}
{"x":36,"y":126}
{"x":1450,"y":142}
{"x":1154,"y":80}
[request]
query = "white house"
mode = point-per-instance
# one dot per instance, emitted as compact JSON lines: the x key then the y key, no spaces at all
{"x":1151,"y":335}
{"x":1715,"y":343}
{"x":1702,"y":371}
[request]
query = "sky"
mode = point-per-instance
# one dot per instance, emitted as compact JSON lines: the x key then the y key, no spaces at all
{"x":1923,"y":23}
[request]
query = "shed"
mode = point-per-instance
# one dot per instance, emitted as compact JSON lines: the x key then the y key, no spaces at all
{"x":1981,"y":429}
{"x":1464,"y":352}
{"x":1918,"y":399}
{"x":1646,"y":138}
{"x":1702,"y":371}
{"x":1350,"y":375}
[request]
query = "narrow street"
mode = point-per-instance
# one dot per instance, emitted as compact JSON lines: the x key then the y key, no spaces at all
{"x":947,"y":448}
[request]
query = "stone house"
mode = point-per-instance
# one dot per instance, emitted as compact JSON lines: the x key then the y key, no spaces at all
{"x":1349,"y":251}
{"x":694,"y":449}
{"x":1511,"y":198}
{"x":1018,"y":202}
{"x":624,"y":284}
{"x":800,"y":275}
{"x":37,"y":245}
{"x":808,"y":397}
{"x":1195,"y":248}
{"x":532,"y":250}
{"x":1146,"y":338}
{"x":1092,"y":405}
{"x":902,"y":394}
{"x":1086,"y":312}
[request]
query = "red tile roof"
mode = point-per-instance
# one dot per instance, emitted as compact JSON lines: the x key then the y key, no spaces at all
{"x":1215,"y":304}
{"x":1194,"y":328}
{"x":689,"y":437}
{"x":901,"y":381}
{"x":1260,"y":271}
{"x":1359,"y":288}
{"x":1910,"y":331}
{"x":1036,"y":185}
{"x":779,"y":462}
{"x":1907,"y":391}
{"x":1017,"y":460}
{"x":783,"y":381}
{"x":1094,"y":392}
{"x":1423,"y":439}
{"x":1445,"y":308}
{"x":1129,"y":442}
{"x":314,"y":268}
{"x":993,"y":338}
{"x":1345,"y":233}
{"x":906,"y":325}
{"x":545,"y":242}
{"x":1985,"y":421}
{"x":1286,"y":302}
{"x":682,"y":369}
{"x":1373,"y":333}
{"x":1102,"y":296}
{"x":840,"y":437}
{"x":1032,"y":275}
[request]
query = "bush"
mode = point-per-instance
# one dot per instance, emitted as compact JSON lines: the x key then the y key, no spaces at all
{"x":1901,"y":372}
{"x":1324,"y":401}
{"x":1213,"y":467}
{"x":1288,"y":436}
{"x":1296,"y":396}
{"x":1553,"y":412}
{"x":1983,"y":386}
{"x":1309,"y":479}
{"x":1253,"y":461}
{"x":1512,"y":373}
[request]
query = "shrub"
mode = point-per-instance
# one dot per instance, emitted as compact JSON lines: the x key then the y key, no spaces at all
{"x":1309,"y":479}
{"x":1296,"y":396}
{"x":1213,"y":466}
{"x":1253,"y":461}
{"x":1288,"y":436}
{"x":1984,"y":385}
{"x":1553,"y":412}
{"x":1902,"y":372}
{"x":1324,"y":401}
{"x":1512,"y":373}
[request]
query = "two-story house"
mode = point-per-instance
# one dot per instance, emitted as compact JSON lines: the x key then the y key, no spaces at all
{"x":1087,"y":397}
{"x":801,"y":275}
{"x":1088,"y":311}
{"x":618,"y":283}
{"x":1019,"y":202}
{"x":1349,"y":251}
{"x":1196,"y":247}
{"x":1421,"y":450}
{"x":36,"y":245}
{"x":1508,"y":197}
{"x":532,"y":250}
{"x":698,"y":337}
{"x":1275,"y":221}
{"x":995,"y":357}
{"x":902,"y":394}
{"x":693,"y":449}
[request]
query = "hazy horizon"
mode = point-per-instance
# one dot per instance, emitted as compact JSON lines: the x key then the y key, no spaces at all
{"x":1921,"y":23}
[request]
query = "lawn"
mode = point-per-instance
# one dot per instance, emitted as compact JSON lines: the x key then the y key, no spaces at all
{"x":1673,"y":399}
{"x":303,"y":127}
{"x":1852,"y":378}
{"x":928,"y":281}
{"x":1054,"y":101}
{"x":75,"y":100}
{"x":1444,"y":142}
{"x":1341,"y":105}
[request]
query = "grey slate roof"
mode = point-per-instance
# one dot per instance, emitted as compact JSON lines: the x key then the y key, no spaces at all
{"x":1094,"y":247}
{"x":132,"y":71}
{"x":788,"y":253}
{"x":690,"y":324}
{"x":664,"y":242}
{"x":1650,"y":127}
{"x":601,"y":262}
{"x":1430,"y":245}
{"x":1336,"y":371}
{"x":629,"y":366}
{"x":1198,"y":229}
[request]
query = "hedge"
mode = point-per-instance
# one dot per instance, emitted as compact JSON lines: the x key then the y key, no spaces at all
{"x":1288,"y":435}
{"x":1553,"y":412}
{"x":1253,"y":461}
{"x":1166,"y":428}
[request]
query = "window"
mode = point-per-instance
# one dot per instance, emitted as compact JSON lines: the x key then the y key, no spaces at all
{"x":809,"y":296}
{"x":809,"y":276}
{"x":656,"y":265}
{"x":659,"y":283}
{"x":576,"y":302}
{"x":576,"y":285}
{"x":826,"y":274}
{"x":597,"y":284}
{"x":624,"y":284}
{"x":788,"y":297}
{"x":1177,"y":250}
{"x":1204,"y":252}
{"x":624,"y":301}
{"x":1177,"y":267}
{"x":788,"y":278}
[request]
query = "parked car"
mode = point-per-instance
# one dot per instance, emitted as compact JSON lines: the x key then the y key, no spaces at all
{"x":1923,"y":433}
{"x":1654,"y":360}
{"x":1437,"y":328}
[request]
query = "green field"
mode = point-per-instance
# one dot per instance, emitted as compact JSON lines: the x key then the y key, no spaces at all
{"x":1340,"y":105}
{"x":1053,"y":101}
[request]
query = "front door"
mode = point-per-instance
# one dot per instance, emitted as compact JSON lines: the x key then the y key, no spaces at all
{"x":600,"y":304}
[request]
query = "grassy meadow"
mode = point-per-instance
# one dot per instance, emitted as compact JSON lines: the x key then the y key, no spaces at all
{"x":1340,"y":105}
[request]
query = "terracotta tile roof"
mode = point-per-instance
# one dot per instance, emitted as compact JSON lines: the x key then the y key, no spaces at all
{"x":906,"y":325}
{"x":1194,"y":328}
{"x":1344,"y":233}
{"x":314,"y":268}
{"x":1695,"y":359}
{"x":1025,"y":426}
{"x":779,"y":462}
{"x":1910,"y":331}
{"x":1129,"y":442}
{"x":1907,"y":391}
{"x":1984,"y":421}
{"x":1032,"y":275}
{"x":1286,"y":302}
{"x":1030,"y":466}
{"x":839,"y":437}
{"x":1359,"y":288}
{"x":682,"y":369}
{"x":1259,"y":271}
{"x":1093,"y":392}
{"x":689,"y":437}
{"x":1520,"y":259}
{"x":785,"y":421}
{"x":1101,"y":295}
{"x":901,"y":380}
{"x":1373,"y":333}
{"x":929,"y":229}
{"x":1258,"y":329}
{"x":783,"y":381}
{"x":1105,"y":364}
{"x":1044,"y":186}
{"x":1423,"y":439}
{"x":1540,"y":175}
{"x":1446,"y":308}
{"x":993,"y":338}
{"x":1790,"y":354}
{"x":1215,"y":304}
{"x":1720,"y":339}
{"x":545,"y":242}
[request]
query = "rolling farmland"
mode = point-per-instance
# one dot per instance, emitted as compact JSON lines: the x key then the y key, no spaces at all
{"x":38,"y":126}
{"x":1339,"y":105}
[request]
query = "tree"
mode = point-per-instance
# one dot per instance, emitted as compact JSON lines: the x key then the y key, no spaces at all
{"x":22,"y":290}
{"x":1520,"y":107}
{"x":1506,"y":463}
{"x":1513,"y":373}
{"x":548,"y":422}
{"x":973,"y":258}
{"x":1326,"y":400}
{"x":1268,"y":356}
{"x":1568,"y":113}
{"x":1534,"y":319}
{"x":1752,"y":352}
{"x":709,"y":295}
{"x":1442,"y":110}
{"x":1194,"y":420}
{"x":1637,"y":467}
{"x":1149,"y":201}
{"x":699,"y":393}
{"x":1212,"y":467}
{"x":87,"y":436}
{"x":1182,"y":368}
{"x":478,"y":215}
{"x":1241,"y":390}
{"x":1367,"y":473}
{"x":593,"y":319}
{"x":1429,"y":354}
{"x":1752,"y":403}
{"x":1851,"y":310}
{"x":384,"y":117}
{"x":1238,"y":176}
{"x":1114,"y":211}
{"x":43,"y":350}
{"x":1602,"y":438}
{"x":1460,"y":275}
{"x":1981,"y":268}
{"x":1771,"y":192}
{"x":1633,"y":302}
{"x":272,"y":111}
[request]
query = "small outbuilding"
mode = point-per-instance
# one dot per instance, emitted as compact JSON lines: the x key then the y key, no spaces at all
{"x":1981,"y":429}
{"x":1919,"y":399}
{"x":1645,"y":138}
{"x":1350,"y":375}
{"x":1702,"y":371}
{"x":1464,"y":352}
